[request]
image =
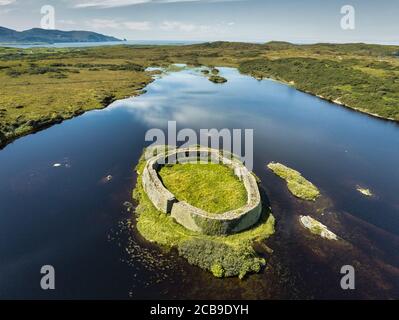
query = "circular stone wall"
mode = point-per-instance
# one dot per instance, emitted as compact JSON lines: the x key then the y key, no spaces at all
{"x":192,"y":217}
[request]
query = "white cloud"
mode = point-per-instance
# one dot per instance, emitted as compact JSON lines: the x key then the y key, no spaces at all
{"x":117,"y":24}
{"x":6,"y":2}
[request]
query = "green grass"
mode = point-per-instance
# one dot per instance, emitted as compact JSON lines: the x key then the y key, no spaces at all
{"x":224,"y":256}
{"x":298,"y":185}
{"x":211,"y":187}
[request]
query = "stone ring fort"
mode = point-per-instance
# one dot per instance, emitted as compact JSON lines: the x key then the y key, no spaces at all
{"x":191,"y":217}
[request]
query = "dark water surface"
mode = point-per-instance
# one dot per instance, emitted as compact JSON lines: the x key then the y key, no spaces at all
{"x":71,"y":217}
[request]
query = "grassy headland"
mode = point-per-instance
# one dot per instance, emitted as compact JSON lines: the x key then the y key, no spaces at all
{"x":211,"y":187}
{"x":224,"y":256}
{"x":298,"y":185}
{"x":42,"y":86}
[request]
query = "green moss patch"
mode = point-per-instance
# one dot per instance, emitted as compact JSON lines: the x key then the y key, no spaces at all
{"x":224,"y":256}
{"x":211,"y":187}
{"x":298,"y":185}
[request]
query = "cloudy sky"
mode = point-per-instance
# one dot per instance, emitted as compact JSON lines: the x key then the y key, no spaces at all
{"x":235,"y":20}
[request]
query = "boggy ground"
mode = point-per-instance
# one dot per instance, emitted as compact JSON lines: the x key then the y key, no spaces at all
{"x":43,"y":86}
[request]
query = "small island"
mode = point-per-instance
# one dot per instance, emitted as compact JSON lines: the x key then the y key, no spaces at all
{"x":364,"y":191}
{"x":217,"y":79}
{"x":297,"y":185}
{"x":213,"y":222}
{"x":317,"y":228}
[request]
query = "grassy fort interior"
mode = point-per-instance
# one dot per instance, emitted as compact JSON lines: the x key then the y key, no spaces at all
{"x":210,"y":187}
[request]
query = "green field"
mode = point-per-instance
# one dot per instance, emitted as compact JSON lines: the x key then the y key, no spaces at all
{"x":40,"y":86}
{"x":210,"y":187}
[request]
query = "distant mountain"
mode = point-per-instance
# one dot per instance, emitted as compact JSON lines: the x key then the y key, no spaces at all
{"x":37,"y":35}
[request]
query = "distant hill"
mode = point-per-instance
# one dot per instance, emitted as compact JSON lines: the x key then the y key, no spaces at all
{"x":37,"y":35}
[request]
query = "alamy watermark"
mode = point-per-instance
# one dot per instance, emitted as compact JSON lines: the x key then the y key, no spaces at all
{"x":47,"y":282}
{"x":231,"y":142}
{"x":348,"y":21}
{"x":348,"y":280}
{"x":48,"y":17}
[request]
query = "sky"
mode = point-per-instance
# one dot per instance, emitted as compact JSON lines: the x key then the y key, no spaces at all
{"x":298,"y":21}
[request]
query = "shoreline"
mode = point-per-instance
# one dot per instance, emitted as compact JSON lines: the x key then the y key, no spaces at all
{"x":60,"y":119}
{"x":335,"y":101}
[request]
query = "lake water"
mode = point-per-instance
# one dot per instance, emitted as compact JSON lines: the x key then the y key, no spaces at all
{"x":71,"y":217}
{"x":97,"y":44}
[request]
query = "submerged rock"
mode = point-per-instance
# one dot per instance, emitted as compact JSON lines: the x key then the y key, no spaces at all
{"x":317,"y":228}
{"x":128,"y":205}
{"x":106,"y":179}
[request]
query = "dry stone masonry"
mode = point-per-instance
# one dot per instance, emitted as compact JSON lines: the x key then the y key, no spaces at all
{"x":194,"y":218}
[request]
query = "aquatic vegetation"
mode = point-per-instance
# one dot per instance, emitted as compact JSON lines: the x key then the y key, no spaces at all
{"x":221,"y":259}
{"x":224,"y":256}
{"x":317,"y":228}
{"x":298,"y":185}
{"x":364,"y":191}
{"x":210,"y":187}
